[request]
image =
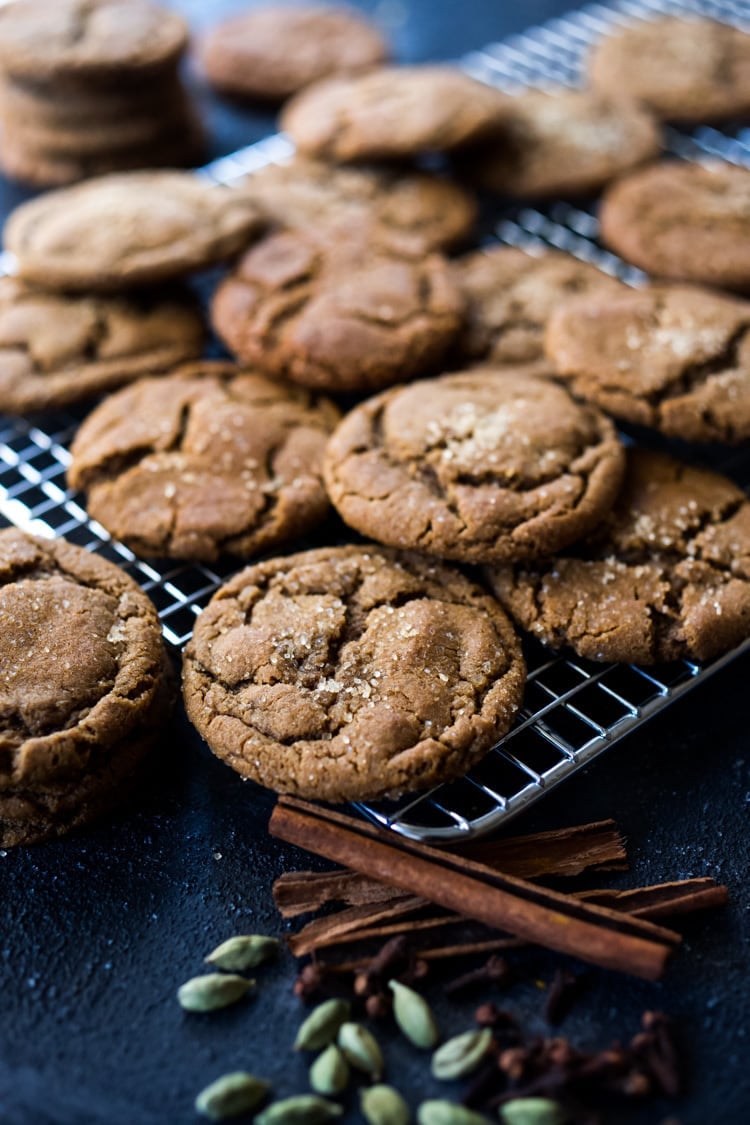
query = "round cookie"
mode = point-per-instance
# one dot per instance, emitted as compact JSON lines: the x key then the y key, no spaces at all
{"x":566,"y":143}
{"x":412,"y":211}
{"x":91,"y":39}
{"x":482,"y":466}
{"x":83,"y":685}
{"x":392,"y":112}
{"x":686,"y":222}
{"x":689,"y":70}
{"x":272,"y":52}
{"x":129,"y":229}
{"x":673,"y":357}
{"x":210,"y":460}
{"x":666,"y":577}
{"x":337,"y":313}
{"x":352,"y":673}
{"x":56,"y":349}
{"x":510,"y":295}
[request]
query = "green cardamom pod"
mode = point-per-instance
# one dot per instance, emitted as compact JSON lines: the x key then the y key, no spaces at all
{"x":361,"y":1049}
{"x":243,"y":952}
{"x":533,"y":1111}
{"x":215,"y":990}
{"x":329,"y":1074}
{"x":382,"y":1105}
{"x":414,"y":1016}
{"x":461,"y":1055}
{"x":231,"y":1095}
{"x":305,"y":1109}
{"x":448,"y":1113}
{"x":321,"y":1026}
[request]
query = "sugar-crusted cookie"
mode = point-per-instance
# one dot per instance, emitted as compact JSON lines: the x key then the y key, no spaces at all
{"x":674,"y":357}
{"x":207,"y":461}
{"x":666,"y":577}
{"x":352,"y":672}
{"x":84,"y":685}
{"x":485,"y":465}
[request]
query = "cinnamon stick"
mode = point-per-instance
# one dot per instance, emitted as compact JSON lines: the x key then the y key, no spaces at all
{"x":350,"y":925}
{"x":662,"y":900}
{"x":561,"y":922}
{"x":302,"y":892}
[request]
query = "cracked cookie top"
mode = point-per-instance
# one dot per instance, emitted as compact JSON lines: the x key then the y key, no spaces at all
{"x":80,"y":663}
{"x":672,"y":357}
{"x":511,"y":295}
{"x":391,"y":113}
{"x":56,"y":348}
{"x":569,"y":142}
{"x":128,"y":228}
{"x":666,"y":577}
{"x":207,"y":461}
{"x":272,"y":52}
{"x":338,"y":314}
{"x":685,"y":222}
{"x":690,"y":70}
{"x":352,"y":672}
{"x":485,"y":465}
{"x":88,"y":38}
{"x":409,"y":211}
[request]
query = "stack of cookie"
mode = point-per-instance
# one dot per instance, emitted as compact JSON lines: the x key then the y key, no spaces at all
{"x":92,"y":86}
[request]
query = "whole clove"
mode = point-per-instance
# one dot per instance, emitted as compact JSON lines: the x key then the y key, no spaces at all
{"x":563,"y":992}
{"x":495,"y":970}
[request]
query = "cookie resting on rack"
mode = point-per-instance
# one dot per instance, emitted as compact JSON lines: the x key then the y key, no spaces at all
{"x":352,"y":673}
{"x":674,"y":357}
{"x":130,"y":229}
{"x":85,"y":684}
{"x":207,"y":461}
{"x":666,"y":577}
{"x":486,"y":465}
{"x":685,"y":222}
{"x":57,"y":348}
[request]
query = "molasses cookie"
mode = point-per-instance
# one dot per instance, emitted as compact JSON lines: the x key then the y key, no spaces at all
{"x":673,"y":357}
{"x":392,"y":113}
{"x":128,"y":229}
{"x":667,"y":576}
{"x":413,"y":211}
{"x":84,"y":685}
{"x":56,"y":349}
{"x":352,"y":673}
{"x":689,"y":70}
{"x":337,"y":313}
{"x":511,"y":294}
{"x":272,"y":52}
{"x":485,"y":465}
{"x":207,"y":461}
{"x":687,"y":222}
{"x":567,"y":143}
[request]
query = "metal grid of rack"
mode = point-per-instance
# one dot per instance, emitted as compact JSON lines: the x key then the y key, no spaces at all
{"x":573,"y":710}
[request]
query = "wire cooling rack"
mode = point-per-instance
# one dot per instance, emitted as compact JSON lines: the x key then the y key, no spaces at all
{"x":573,"y":710}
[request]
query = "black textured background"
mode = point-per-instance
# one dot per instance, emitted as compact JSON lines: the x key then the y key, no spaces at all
{"x":99,"y":929}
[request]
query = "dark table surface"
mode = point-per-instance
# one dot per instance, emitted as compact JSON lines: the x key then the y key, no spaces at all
{"x":100,"y":928}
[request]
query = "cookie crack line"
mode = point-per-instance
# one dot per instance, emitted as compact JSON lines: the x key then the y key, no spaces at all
{"x":694,"y":374}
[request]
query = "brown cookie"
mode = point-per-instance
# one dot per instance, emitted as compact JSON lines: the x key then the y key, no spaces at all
{"x":128,"y":229}
{"x":208,"y":461}
{"x":92,"y":39}
{"x":666,"y":577}
{"x":351,"y":673}
{"x":689,"y":70}
{"x":272,"y":52}
{"x":392,"y":113}
{"x":410,"y":211}
{"x":673,"y":357}
{"x":83,"y":685}
{"x":567,"y":143}
{"x":510,"y":295}
{"x":337,"y":313}
{"x":686,"y":222}
{"x":56,"y":349}
{"x":482,"y":466}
